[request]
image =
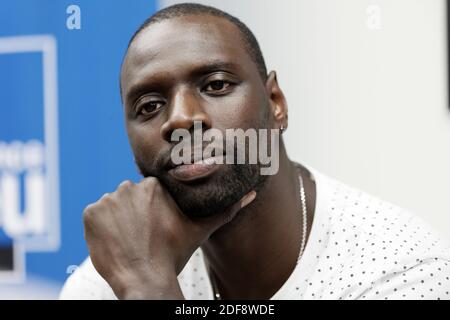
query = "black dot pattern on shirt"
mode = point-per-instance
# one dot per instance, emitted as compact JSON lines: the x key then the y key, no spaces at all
{"x":387,"y":253}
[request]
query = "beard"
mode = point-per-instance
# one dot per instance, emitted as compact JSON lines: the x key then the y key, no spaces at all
{"x":216,"y":193}
{"x":212,"y":195}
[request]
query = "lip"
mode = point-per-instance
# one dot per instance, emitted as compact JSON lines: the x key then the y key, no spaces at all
{"x":197,"y":170}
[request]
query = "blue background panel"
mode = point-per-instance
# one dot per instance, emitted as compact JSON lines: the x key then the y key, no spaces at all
{"x":22,"y":96}
{"x":94,"y":154}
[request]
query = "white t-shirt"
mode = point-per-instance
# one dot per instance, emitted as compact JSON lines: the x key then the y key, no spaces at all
{"x":360,"y":247}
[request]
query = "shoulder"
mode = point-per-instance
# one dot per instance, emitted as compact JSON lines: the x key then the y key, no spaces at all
{"x":354,"y":213}
{"x":426,"y":279}
{"x":86,"y":284}
{"x":377,"y":249}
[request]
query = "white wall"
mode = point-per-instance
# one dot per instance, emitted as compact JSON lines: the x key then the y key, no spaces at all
{"x":367,"y":92}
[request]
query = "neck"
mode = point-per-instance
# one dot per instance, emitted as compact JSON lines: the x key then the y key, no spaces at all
{"x":252,"y":256}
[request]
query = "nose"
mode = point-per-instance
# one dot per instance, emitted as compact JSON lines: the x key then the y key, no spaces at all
{"x":184,"y":110}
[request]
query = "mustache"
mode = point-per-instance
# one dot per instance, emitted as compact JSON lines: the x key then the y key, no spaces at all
{"x":164,"y":160}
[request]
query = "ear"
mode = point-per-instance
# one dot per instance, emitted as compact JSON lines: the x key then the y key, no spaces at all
{"x":278,"y":104}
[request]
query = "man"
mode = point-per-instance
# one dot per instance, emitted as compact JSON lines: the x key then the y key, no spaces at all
{"x":209,"y":230}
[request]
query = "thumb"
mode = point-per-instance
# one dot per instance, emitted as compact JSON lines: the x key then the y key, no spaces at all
{"x":218,"y":220}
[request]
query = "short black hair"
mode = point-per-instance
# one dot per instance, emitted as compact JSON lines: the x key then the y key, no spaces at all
{"x":184,"y":9}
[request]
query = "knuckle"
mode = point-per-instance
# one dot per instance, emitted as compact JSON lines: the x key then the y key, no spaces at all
{"x":125,"y":185}
{"x":89,"y":209}
{"x":106,"y":199}
{"x":151,"y":184}
{"x":104,"y":196}
{"x":150,"y":181}
{"x":88,"y":213}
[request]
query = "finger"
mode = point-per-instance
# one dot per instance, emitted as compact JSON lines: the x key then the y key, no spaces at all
{"x":211,"y":224}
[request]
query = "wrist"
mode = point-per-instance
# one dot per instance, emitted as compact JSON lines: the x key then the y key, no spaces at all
{"x":169,"y":292}
{"x":147,"y":287}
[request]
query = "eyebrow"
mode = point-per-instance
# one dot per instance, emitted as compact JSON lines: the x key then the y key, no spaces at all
{"x":213,"y":66}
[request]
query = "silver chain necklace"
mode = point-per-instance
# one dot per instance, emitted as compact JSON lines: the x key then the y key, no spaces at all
{"x":217,"y":295}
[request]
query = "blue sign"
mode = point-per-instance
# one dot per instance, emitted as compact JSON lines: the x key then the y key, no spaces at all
{"x":62,"y":137}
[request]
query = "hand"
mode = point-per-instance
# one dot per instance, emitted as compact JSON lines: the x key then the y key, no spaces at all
{"x":139,"y":240}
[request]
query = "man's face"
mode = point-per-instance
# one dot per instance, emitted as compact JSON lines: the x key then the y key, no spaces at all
{"x":186,"y":69}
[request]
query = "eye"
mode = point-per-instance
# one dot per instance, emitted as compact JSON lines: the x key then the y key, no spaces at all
{"x":217,"y":86}
{"x":150,"y":107}
{"x":146,"y":105}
